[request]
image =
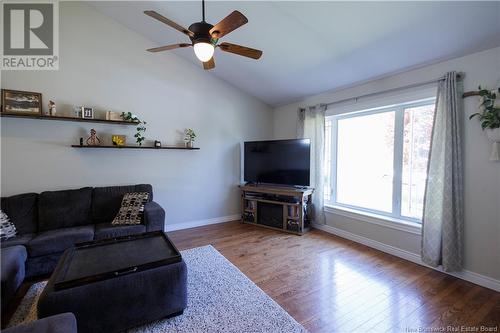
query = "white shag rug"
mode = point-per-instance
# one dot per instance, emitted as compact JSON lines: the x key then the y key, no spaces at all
{"x":220,"y":299}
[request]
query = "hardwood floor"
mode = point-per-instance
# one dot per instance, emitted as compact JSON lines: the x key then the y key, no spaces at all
{"x":330,"y":284}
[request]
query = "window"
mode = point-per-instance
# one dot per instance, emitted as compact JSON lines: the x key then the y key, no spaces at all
{"x":376,"y":160}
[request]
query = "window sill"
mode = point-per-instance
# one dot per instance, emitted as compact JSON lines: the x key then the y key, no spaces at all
{"x":385,"y":221}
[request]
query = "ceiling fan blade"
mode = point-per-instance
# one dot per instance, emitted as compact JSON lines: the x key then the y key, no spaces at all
{"x":241,"y":50}
{"x":209,"y":64}
{"x":168,"y":22}
{"x":229,"y":23}
{"x":168,"y":47}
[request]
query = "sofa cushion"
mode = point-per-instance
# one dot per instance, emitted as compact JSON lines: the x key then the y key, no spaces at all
{"x":42,"y":266}
{"x":22,"y":210}
{"x":7,"y":228}
{"x":107,"y":230}
{"x":12,"y":273}
{"x":106,"y":201}
{"x":18,"y":240}
{"x":12,"y":258}
{"x":64,"y":209}
{"x":132,"y":209}
{"x":58,"y":240}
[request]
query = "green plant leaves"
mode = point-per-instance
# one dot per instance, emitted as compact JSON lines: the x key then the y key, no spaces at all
{"x":490,"y":116}
{"x":128,"y":116}
{"x":190,"y":135}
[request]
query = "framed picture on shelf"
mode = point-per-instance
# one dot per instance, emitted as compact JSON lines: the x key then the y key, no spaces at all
{"x":21,"y":102}
{"x":87,"y":113}
{"x":115,"y":116}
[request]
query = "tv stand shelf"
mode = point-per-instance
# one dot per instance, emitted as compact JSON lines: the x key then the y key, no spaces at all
{"x":277,"y":207}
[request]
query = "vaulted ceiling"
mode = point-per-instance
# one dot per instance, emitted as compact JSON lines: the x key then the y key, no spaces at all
{"x":311,"y":47}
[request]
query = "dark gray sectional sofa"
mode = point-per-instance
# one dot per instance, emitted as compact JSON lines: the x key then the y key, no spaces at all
{"x":50,"y":222}
{"x":60,"y":323}
{"x":13,"y":260}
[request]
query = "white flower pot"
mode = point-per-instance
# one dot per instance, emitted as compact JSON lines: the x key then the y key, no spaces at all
{"x":494,"y":136}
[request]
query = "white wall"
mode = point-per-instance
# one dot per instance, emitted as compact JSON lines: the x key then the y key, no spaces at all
{"x":105,"y":65}
{"x":482,"y":177}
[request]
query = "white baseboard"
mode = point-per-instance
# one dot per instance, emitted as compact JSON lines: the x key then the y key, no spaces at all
{"x":476,"y":278}
{"x":199,"y":223}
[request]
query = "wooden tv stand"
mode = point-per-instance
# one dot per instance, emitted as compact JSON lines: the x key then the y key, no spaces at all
{"x":280,"y":208}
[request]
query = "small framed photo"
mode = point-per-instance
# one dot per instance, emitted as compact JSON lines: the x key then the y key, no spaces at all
{"x":21,"y":102}
{"x":87,"y":113}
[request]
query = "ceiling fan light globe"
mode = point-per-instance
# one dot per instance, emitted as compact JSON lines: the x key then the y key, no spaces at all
{"x":204,"y":51}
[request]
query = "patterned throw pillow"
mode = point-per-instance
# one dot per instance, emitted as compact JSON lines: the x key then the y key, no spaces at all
{"x":7,"y":228}
{"x":132,"y":208}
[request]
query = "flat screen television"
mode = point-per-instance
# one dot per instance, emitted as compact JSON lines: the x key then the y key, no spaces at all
{"x":283,"y":162}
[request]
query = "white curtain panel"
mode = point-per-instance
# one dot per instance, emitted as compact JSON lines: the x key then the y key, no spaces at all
{"x":442,"y":229}
{"x":311,"y":125}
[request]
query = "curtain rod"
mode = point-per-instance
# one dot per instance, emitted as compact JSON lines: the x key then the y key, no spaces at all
{"x":459,"y":76}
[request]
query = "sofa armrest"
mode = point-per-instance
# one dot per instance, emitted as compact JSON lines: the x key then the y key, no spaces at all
{"x":154,"y":217}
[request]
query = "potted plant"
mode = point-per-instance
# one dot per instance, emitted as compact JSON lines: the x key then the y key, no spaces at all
{"x":489,"y":117}
{"x":139,"y":136}
{"x":189,"y":137}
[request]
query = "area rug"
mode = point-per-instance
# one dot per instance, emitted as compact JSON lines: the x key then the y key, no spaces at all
{"x":220,"y":299}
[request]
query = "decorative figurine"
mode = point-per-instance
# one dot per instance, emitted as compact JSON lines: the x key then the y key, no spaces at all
{"x":52,"y":108}
{"x":118,"y":140}
{"x":157,"y":144}
{"x":93,"y":140}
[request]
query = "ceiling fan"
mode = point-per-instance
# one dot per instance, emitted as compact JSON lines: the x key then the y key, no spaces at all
{"x":204,"y":37}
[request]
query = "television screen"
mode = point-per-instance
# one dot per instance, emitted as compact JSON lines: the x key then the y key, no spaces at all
{"x":284,"y":162}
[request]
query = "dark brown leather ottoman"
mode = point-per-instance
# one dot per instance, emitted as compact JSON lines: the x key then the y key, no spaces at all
{"x":116,"y":284}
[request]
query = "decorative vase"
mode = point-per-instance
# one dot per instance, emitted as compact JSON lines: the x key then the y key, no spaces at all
{"x":189,"y":144}
{"x":494,"y":135}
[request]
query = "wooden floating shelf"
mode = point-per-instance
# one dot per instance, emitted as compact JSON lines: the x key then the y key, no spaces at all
{"x":75,"y":119}
{"x":134,"y":147}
